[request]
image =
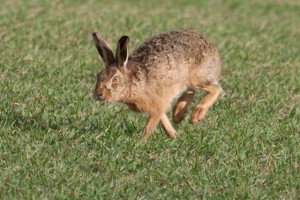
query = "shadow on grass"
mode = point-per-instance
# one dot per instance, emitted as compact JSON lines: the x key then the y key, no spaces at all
{"x":36,"y":122}
{"x":90,"y":124}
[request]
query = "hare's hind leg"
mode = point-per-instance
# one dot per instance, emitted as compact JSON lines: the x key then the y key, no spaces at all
{"x":181,"y":106}
{"x":199,"y":112}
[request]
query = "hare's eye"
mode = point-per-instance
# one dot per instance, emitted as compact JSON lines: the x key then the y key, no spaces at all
{"x":115,"y":79}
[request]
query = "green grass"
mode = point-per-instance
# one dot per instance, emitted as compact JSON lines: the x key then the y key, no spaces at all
{"x":57,"y":143}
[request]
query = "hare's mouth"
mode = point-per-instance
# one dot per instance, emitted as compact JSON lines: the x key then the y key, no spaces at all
{"x":98,"y":96}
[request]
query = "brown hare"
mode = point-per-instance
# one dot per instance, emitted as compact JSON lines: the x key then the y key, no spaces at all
{"x":167,"y":65}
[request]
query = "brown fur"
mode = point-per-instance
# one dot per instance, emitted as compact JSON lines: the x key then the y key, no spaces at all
{"x":158,"y":71}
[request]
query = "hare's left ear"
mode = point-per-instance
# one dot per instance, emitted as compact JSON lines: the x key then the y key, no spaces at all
{"x":122,"y":51}
{"x":104,"y":49}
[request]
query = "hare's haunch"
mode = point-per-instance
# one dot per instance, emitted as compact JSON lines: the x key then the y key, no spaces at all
{"x":165,"y":66}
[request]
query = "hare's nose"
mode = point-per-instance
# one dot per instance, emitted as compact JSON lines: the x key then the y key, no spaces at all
{"x":97,"y":96}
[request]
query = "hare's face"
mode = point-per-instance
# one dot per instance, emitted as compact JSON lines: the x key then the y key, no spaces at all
{"x":110,"y":85}
{"x":112,"y":81}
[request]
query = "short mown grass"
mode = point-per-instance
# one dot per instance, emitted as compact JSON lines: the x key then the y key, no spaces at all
{"x":56,"y":142}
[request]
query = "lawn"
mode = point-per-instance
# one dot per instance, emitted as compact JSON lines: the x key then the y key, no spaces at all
{"x":56,"y":142}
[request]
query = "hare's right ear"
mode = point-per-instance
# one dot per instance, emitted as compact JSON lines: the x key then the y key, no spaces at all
{"x":103,"y":49}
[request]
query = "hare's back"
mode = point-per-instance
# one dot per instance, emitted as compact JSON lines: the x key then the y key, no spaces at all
{"x":180,"y":46}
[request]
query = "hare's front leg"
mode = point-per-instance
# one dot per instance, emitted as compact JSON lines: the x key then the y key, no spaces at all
{"x":150,"y":126}
{"x":213,"y":92}
{"x":152,"y":123}
{"x":165,"y":122}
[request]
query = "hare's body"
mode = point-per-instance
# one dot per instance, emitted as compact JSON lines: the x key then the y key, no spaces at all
{"x":158,"y":71}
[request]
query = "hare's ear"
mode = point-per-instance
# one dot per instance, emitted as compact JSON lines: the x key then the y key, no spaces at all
{"x":122,"y":51}
{"x":103,"y":49}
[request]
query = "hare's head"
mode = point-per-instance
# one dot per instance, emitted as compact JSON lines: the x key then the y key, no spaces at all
{"x":112,"y":82}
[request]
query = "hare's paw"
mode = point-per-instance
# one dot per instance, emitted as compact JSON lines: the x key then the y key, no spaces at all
{"x":172,"y":134}
{"x":144,"y":135}
{"x":198,"y":114}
